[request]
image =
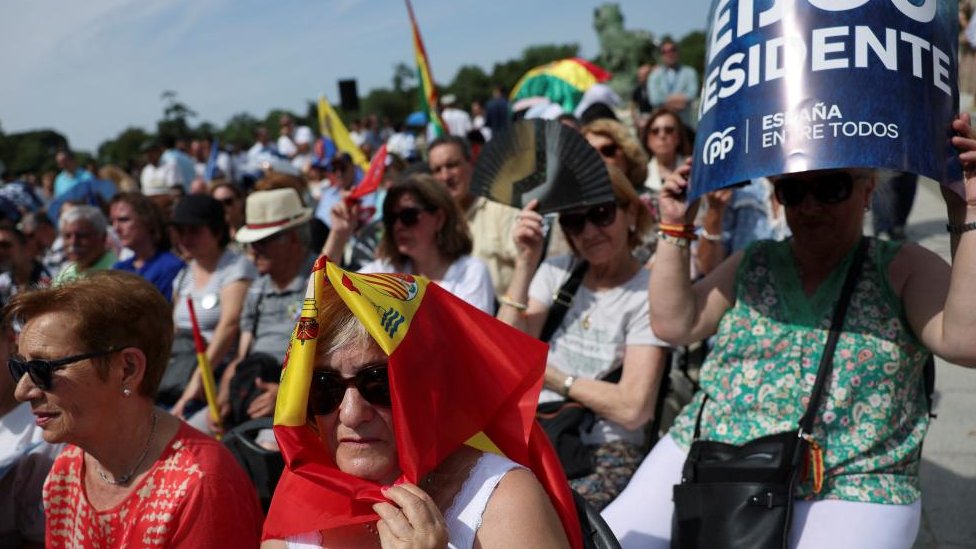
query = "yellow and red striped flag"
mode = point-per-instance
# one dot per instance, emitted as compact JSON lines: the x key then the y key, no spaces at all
{"x":428,"y":90}
{"x":457,"y":375}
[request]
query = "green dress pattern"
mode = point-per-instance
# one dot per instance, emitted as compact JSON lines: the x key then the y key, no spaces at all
{"x":761,"y":371}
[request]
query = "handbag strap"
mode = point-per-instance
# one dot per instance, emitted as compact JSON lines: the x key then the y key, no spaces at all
{"x":827,"y":359}
{"x":562,"y":300}
{"x":836,"y":327}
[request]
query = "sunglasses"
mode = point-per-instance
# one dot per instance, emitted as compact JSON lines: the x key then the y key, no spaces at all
{"x":826,"y":188}
{"x":601,"y":215}
{"x":408,"y":217}
{"x":329,"y":388}
{"x":42,"y":371}
{"x":665,"y":130}
{"x":609,"y":150}
{"x":227,"y":202}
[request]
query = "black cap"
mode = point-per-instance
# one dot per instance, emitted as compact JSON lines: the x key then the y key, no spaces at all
{"x":198,"y":209}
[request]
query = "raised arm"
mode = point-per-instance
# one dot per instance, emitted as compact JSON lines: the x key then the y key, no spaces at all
{"x":682,"y":313}
{"x":515,"y":307}
{"x":940,"y":302}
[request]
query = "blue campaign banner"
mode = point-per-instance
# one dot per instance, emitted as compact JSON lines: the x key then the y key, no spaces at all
{"x":797,"y":85}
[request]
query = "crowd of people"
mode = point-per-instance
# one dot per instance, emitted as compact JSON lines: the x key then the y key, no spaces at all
{"x":108,"y":404}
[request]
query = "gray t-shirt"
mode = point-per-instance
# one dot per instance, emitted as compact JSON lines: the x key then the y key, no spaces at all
{"x":594,"y":333}
{"x":276,"y":311}
{"x":206,"y":301}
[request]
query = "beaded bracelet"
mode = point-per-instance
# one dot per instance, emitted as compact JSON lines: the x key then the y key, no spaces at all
{"x":959,"y":229}
{"x":711,"y":237}
{"x":678,"y":241}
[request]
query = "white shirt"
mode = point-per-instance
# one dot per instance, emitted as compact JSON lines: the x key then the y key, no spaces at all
{"x":467,"y":278}
{"x":457,"y":121}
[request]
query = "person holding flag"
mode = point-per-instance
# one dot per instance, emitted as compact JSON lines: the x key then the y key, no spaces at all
{"x":372,"y":424}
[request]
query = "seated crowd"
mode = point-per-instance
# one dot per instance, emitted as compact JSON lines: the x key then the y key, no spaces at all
{"x":102,"y":304}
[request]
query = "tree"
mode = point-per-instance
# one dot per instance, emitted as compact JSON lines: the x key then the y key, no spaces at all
{"x":471,"y":83}
{"x":176,"y":115}
{"x":239,"y":130}
{"x":31,"y":152}
{"x":691,"y":50}
{"x":125,"y":150}
{"x":403,"y":77}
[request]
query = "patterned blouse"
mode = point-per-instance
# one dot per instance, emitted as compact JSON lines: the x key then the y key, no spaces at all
{"x":760,"y":374}
{"x":195,"y":495}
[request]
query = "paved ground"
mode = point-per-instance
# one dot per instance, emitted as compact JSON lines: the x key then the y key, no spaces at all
{"x":949,"y":456}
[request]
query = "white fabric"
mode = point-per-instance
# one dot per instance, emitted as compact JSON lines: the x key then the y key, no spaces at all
{"x":595,"y":332}
{"x":467,"y":278}
{"x":156,"y":180}
{"x":654,"y":180}
{"x":286,"y":147}
{"x":598,"y":93}
{"x":463,"y":517}
{"x":457,"y":121}
{"x":641,"y":516}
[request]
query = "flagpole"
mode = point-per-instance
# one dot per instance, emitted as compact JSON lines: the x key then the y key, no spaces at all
{"x":206,"y":373}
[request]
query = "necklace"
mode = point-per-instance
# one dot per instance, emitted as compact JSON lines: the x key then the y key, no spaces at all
{"x":124,"y":479}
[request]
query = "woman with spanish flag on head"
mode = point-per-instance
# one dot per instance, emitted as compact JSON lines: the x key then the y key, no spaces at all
{"x":389,"y":386}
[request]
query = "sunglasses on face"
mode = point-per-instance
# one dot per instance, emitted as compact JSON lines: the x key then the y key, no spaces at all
{"x":42,"y":371}
{"x":827,"y":188}
{"x":609,"y":150}
{"x":601,"y":215}
{"x":663,"y":130}
{"x":408,"y":217}
{"x":329,"y":388}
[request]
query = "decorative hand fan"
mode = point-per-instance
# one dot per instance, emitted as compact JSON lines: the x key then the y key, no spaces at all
{"x":544,"y":160}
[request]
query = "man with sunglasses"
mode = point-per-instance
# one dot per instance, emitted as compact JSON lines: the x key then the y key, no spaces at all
{"x":672,"y":84}
{"x":277,"y":236}
{"x":769,"y":307}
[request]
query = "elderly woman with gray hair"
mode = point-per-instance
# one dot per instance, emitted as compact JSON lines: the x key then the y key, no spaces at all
{"x":83,"y":231}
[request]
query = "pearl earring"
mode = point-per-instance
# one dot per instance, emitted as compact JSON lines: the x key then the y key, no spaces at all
{"x":126,"y":391}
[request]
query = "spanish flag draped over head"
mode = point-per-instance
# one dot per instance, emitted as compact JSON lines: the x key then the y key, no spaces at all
{"x":428,"y":91}
{"x":457,"y":375}
{"x":331,"y":127}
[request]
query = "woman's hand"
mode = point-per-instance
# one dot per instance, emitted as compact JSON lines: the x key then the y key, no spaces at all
{"x":528,"y":234}
{"x":965,"y":142}
{"x":412,"y":520}
{"x":344,"y":217}
{"x":672,"y":201}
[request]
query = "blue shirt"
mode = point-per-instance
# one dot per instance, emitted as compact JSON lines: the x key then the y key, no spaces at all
{"x":160,"y":270}
{"x":66,"y":180}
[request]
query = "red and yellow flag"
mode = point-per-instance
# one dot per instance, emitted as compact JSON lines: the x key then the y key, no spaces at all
{"x":457,"y":376}
{"x":428,"y":91}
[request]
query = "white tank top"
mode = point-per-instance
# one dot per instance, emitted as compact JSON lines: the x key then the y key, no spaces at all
{"x":463,"y":518}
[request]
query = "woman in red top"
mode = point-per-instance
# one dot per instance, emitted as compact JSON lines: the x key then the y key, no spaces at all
{"x":90,"y":357}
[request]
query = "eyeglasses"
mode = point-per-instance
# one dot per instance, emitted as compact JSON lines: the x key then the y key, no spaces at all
{"x":227,"y":202}
{"x":601,"y":215}
{"x":408,"y":217}
{"x":41,"y":371}
{"x":665,"y":130}
{"x":609,"y":150}
{"x":329,"y":388}
{"x":826,"y":188}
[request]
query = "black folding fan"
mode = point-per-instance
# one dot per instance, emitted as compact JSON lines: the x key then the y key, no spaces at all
{"x":544,"y":160}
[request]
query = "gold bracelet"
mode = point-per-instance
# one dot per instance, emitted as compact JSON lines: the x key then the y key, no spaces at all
{"x":505,"y":300}
{"x":677,"y":241}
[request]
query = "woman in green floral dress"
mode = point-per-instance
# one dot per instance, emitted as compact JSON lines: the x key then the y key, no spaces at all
{"x":769,"y":308}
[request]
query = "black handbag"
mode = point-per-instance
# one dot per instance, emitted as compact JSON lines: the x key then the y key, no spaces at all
{"x":741,"y":496}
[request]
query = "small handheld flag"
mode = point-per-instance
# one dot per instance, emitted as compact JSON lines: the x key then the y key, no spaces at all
{"x":206,"y":373}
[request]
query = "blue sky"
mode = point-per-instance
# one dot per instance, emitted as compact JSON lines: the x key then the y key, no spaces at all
{"x":92,"y":68}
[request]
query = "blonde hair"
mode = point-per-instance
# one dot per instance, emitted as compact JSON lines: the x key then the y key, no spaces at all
{"x":634,"y":155}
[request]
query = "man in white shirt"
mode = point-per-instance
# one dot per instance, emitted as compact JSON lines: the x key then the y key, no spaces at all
{"x":673,"y":85}
{"x":457,"y":121}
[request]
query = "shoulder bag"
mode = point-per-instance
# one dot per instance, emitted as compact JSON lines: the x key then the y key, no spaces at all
{"x":734,"y":496}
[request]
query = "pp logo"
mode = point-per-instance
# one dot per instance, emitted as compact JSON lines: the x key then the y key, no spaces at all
{"x":718,"y":145}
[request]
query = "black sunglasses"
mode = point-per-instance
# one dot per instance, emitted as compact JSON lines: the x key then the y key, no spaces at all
{"x":41,"y":371}
{"x":329,"y":387}
{"x":601,"y":215}
{"x":826,"y":188}
{"x":408,"y":217}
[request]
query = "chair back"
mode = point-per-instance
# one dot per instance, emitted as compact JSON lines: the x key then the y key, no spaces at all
{"x":263,"y":466}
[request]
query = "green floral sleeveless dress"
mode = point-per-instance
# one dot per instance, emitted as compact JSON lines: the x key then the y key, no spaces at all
{"x":761,"y":371}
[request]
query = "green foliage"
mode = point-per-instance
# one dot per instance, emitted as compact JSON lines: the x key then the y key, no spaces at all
{"x":176,"y":116}
{"x":471,"y":84}
{"x":31,"y":151}
{"x":239,"y":130}
{"x":124,"y":150}
{"x":691,"y":50}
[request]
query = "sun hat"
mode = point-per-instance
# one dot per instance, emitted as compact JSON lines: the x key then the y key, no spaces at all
{"x":270,"y":212}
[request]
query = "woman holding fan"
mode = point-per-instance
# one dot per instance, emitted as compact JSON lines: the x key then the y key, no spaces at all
{"x":605,"y":328}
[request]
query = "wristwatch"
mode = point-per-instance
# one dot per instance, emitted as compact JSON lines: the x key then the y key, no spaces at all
{"x":567,"y":383}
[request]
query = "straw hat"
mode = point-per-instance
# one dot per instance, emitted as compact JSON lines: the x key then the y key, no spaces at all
{"x":270,"y":212}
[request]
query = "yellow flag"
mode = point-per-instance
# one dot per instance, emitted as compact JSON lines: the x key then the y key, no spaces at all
{"x":332,"y":128}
